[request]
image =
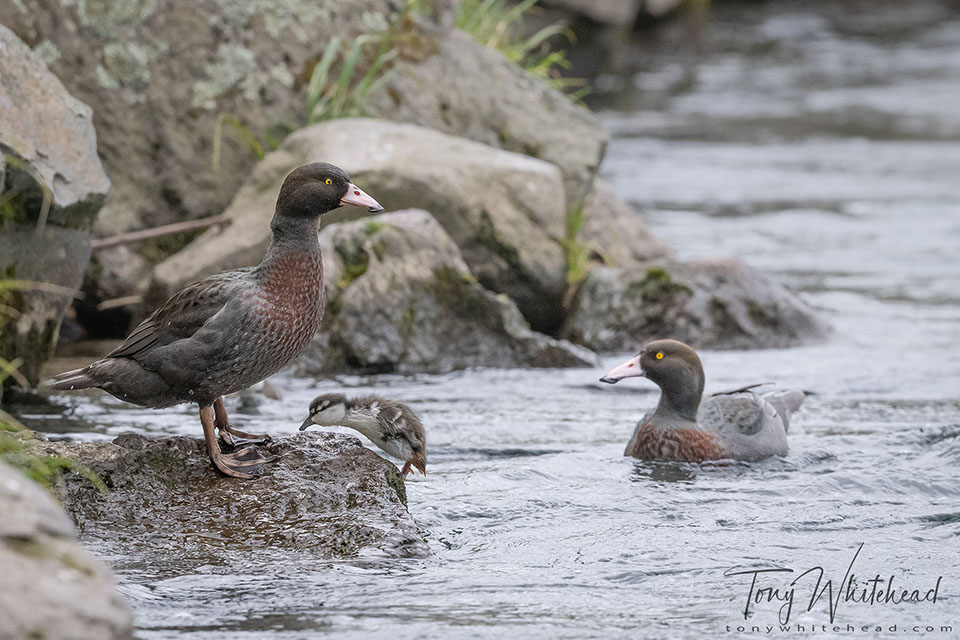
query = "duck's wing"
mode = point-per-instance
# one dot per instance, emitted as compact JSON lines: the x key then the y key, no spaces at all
{"x":749,"y":427}
{"x":182,"y":315}
{"x":730,"y":392}
{"x":786,"y":403}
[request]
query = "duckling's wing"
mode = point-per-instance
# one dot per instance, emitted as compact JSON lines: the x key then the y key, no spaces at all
{"x":398,"y":421}
{"x":391,"y":418}
{"x":749,"y":427}
{"x":182,"y":315}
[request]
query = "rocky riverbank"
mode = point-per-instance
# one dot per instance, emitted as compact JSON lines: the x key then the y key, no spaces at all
{"x":482,"y":274}
{"x":517,"y":255}
{"x":52,"y":186}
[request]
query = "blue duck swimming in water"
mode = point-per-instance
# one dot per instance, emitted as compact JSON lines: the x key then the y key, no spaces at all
{"x":231,"y":330}
{"x":739,"y":424}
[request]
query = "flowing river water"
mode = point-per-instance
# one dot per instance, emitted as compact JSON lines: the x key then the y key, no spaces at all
{"x":820,"y":149}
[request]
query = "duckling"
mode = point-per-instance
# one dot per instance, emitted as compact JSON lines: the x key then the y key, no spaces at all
{"x":390,"y":425}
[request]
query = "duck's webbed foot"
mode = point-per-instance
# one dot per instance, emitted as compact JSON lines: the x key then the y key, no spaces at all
{"x":244,"y":463}
{"x":230,"y":436}
{"x":417,"y":461}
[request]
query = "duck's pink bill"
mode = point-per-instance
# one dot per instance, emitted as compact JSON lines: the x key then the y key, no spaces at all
{"x":629,"y":369}
{"x":358,"y":198}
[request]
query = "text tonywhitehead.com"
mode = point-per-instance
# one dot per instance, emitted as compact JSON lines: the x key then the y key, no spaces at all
{"x":812,"y":629}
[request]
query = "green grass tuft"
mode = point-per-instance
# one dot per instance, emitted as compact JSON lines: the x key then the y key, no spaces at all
{"x":574,"y":248}
{"x":343,"y":95}
{"x":498,"y":24}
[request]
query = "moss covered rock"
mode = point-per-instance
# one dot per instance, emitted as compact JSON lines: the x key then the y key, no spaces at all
{"x":401,"y":298}
{"x":714,"y":304}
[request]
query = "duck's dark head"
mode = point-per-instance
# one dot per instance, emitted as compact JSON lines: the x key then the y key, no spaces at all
{"x":674,"y":366}
{"x":327,"y":410}
{"x":316,"y":188}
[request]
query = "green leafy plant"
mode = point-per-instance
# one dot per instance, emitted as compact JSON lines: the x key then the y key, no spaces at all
{"x":8,"y":369}
{"x":336,"y":90}
{"x":498,"y":24}
{"x":9,"y":297}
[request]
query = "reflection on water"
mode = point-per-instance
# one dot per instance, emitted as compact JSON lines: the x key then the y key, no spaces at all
{"x":823,"y":155}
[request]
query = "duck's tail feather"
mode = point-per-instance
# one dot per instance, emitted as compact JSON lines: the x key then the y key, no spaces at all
{"x":71,"y":380}
{"x":786,"y":403}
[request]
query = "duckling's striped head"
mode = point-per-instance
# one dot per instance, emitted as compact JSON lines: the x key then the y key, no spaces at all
{"x":327,"y":410}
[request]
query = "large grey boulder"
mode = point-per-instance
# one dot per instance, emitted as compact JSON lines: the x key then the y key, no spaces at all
{"x":506,"y":211}
{"x":49,"y":140}
{"x":715,"y":304}
{"x":460,"y":87}
{"x":158,"y":75}
{"x":324,"y":497}
{"x":51,"y":187}
{"x":401,"y":298}
{"x":49,"y":586}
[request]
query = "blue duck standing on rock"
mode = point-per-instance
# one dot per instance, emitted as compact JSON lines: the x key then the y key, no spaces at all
{"x":231,"y":330}
{"x":739,"y":424}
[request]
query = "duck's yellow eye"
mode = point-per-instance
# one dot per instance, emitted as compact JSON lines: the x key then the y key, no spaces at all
{"x":659,"y":355}
{"x":328,"y":181}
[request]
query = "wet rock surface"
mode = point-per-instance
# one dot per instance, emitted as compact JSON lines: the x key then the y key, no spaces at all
{"x":49,"y":586}
{"x":51,"y":187}
{"x":401,"y":298}
{"x":324,"y":496}
{"x":713,"y":304}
